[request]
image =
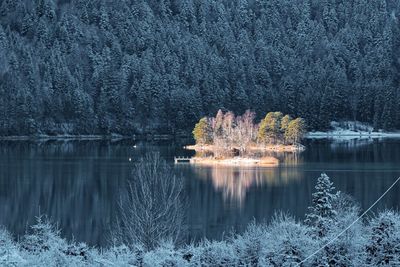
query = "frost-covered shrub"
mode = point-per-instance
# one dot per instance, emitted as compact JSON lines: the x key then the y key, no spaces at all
{"x":119,"y":256}
{"x":383,"y":243}
{"x":44,"y":246}
{"x":9,"y":251}
{"x":165,"y":255}
{"x":6,"y":242}
{"x":43,"y":237}
{"x":80,"y":250}
{"x":346,"y":249}
{"x":214,"y":253}
{"x":288,"y":242}
{"x":249,"y":245}
{"x":333,"y":213}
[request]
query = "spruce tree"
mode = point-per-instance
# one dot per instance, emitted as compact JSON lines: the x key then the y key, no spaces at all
{"x":322,"y":212}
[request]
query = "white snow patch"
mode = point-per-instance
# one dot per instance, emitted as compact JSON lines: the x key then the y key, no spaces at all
{"x":349,"y":130}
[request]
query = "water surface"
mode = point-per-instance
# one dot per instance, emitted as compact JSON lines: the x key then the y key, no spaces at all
{"x":78,"y":183}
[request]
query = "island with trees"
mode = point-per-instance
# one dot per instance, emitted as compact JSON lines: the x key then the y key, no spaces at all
{"x":237,"y":140}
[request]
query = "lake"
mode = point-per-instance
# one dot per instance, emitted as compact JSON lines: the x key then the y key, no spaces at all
{"x":78,"y":183}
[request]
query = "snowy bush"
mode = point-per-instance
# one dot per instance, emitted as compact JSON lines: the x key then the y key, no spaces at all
{"x":43,"y":237}
{"x":249,"y":246}
{"x":347,"y":249}
{"x":213,"y":253}
{"x":288,"y":242}
{"x":119,"y":256}
{"x":165,"y":255}
{"x":383,"y":243}
{"x":44,"y":246}
{"x":329,"y":215}
{"x":9,"y":251}
{"x":344,"y":248}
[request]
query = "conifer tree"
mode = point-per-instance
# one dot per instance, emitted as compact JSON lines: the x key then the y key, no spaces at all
{"x":295,"y":131}
{"x":285,"y":123}
{"x":322,"y":211}
{"x":202,"y":132}
{"x":270,"y":127}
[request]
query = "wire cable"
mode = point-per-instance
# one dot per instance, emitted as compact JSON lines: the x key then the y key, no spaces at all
{"x":348,"y":227}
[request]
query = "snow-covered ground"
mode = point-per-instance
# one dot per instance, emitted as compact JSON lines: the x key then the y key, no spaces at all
{"x":351,"y":130}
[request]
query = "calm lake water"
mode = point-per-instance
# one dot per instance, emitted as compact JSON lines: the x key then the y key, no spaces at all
{"x":77,"y":183}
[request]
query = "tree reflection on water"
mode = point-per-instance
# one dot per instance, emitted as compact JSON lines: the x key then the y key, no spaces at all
{"x":235,"y":181}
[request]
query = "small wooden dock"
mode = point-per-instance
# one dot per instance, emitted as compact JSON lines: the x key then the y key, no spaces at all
{"x":182,"y":160}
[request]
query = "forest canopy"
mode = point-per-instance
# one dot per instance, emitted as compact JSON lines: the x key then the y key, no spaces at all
{"x":85,"y":67}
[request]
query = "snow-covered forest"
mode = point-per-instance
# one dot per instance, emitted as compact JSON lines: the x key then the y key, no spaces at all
{"x":372,"y":241}
{"x":99,"y":67}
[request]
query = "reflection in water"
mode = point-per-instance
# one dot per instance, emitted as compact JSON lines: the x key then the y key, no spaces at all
{"x":234,"y":182}
{"x":351,"y":143}
{"x":78,"y":184}
{"x":74,"y":183}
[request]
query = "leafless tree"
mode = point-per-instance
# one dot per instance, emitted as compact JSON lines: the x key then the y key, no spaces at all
{"x":244,"y":132}
{"x":151,"y":209}
{"x":228,"y":128}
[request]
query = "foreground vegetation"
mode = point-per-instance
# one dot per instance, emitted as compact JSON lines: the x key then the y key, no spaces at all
{"x":282,"y":242}
{"x":228,"y":135}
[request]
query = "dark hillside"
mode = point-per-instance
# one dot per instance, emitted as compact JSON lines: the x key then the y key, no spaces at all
{"x":85,"y":67}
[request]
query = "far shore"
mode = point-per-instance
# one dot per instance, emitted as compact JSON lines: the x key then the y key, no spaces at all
{"x":236,"y":161}
{"x":273,"y":148}
{"x":351,"y":135}
{"x":52,"y":137}
{"x":85,"y":137}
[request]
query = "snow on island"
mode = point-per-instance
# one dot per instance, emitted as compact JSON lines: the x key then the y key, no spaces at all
{"x":236,"y":161}
{"x":254,"y":148}
{"x":263,"y":161}
{"x":348,"y":130}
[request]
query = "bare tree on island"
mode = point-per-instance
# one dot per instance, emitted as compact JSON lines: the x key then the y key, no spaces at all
{"x":245,"y":131}
{"x":151,"y":209}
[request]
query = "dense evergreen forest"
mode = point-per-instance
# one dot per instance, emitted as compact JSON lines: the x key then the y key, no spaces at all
{"x":102,"y":66}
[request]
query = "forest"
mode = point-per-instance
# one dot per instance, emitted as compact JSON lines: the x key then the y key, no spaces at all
{"x":158,"y":66}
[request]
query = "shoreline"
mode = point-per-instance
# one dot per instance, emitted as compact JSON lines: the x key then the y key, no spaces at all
{"x":68,"y":137}
{"x":345,"y":135}
{"x":351,"y":135}
{"x":62,"y":137}
{"x":348,"y":130}
{"x":272,"y":148}
{"x":236,"y":161}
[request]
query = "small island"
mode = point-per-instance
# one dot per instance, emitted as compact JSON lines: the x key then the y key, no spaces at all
{"x":227,"y":139}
